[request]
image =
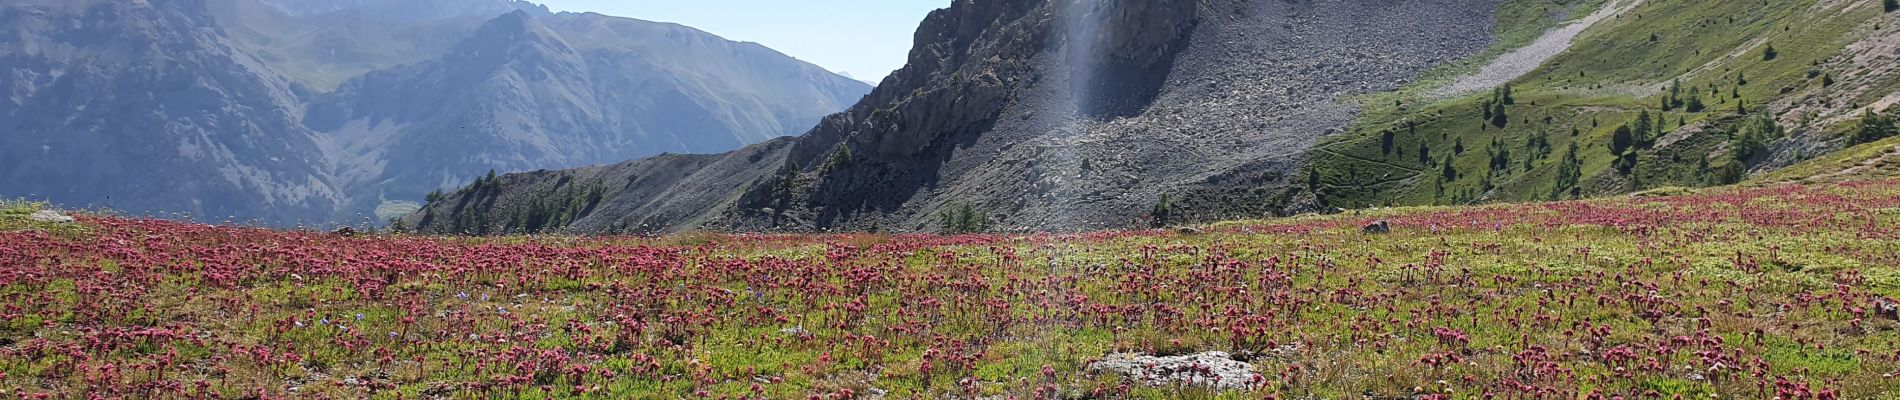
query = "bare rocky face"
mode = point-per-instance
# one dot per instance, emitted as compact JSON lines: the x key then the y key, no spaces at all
{"x":1060,"y":115}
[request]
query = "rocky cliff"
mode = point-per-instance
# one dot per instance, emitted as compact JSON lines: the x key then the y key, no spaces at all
{"x":1053,"y":115}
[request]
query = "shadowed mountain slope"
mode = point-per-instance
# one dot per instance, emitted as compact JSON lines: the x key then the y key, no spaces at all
{"x":239,"y":109}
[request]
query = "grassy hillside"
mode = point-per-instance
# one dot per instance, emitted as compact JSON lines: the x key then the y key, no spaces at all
{"x":1657,"y":58}
{"x":1874,"y":160}
{"x":1737,"y":293}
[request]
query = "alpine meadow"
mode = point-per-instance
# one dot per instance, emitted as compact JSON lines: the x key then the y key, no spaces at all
{"x":1050,"y":199}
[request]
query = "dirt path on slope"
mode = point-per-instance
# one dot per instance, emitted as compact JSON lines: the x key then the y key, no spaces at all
{"x":1518,"y":62}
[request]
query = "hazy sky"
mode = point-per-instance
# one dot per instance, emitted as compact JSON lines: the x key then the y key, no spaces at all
{"x":868,"y":38}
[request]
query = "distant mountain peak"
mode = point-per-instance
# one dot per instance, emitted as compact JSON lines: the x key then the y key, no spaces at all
{"x":518,"y":32}
{"x":407,"y":10}
{"x":848,"y":74}
{"x":322,"y":111}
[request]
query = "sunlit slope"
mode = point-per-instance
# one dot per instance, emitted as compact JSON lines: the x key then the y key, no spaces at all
{"x":1699,"y":70}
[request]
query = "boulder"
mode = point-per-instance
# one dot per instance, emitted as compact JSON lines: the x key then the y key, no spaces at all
{"x":1213,"y":369}
{"x":1379,"y":228}
{"x":1886,"y":308}
{"x":50,"y":216}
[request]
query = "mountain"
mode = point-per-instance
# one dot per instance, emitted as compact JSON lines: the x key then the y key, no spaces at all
{"x":403,"y":10}
{"x":848,"y":74}
{"x":145,"y":107}
{"x":1049,"y":115}
{"x":1058,"y":115}
{"x":238,"y":109}
{"x":321,"y":51}
{"x":525,"y":92}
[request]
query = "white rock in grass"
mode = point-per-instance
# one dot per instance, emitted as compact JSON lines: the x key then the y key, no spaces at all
{"x":50,"y":216}
{"x":1212,"y":369}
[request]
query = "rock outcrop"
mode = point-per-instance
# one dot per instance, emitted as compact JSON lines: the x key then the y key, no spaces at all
{"x":1214,"y":370}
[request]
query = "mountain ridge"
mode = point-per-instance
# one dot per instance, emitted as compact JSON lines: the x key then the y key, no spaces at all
{"x":1282,"y":108}
{"x":991,"y":77}
{"x":535,"y":90}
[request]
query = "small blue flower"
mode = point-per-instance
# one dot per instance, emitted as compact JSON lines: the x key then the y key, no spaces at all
{"x":359,"y":316}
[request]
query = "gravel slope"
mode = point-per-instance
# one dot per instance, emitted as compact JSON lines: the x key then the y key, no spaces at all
{"x":1518,"y":62}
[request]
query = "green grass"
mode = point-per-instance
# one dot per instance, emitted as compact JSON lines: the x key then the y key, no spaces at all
{"x":1610,"y":74}
{"x":1720,"y":263}
{"x":1869,"y":160}
{"x":14,"y":216}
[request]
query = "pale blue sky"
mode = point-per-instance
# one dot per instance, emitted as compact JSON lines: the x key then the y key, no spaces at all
{"x":868,"y":38}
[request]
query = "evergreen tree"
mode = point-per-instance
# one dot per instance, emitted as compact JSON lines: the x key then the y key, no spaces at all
{"x":1694,"y":104}
{"x":1674,"y":98}
{"x":1498,"y":117}
{"x":1569,"y":173}
{"x":1163,"y":212}
{"x":1500,"y":156}
{"x":1639,"y":133}
{"x":1650,"y":140}
{"x":1890,"y":5}
{"x":1494,"y":110}
{"x":839,"y":159}
{"x":1622,"y":140}
{"x":1874,"y":126}
{"x":963,"y":218}
{"x":1753,"y":136}
{"x":1769,"y":53}
{"x":1449,"y":172}
{"x":1626,"y":164}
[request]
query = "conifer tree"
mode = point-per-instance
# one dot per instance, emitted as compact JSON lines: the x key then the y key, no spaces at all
{"x":1875,"y":126}
{"x":1622,"y":140}
{"x":1639,"y":133}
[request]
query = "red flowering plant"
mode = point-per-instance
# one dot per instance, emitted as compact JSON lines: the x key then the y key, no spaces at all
{"x":1752,"y":293}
